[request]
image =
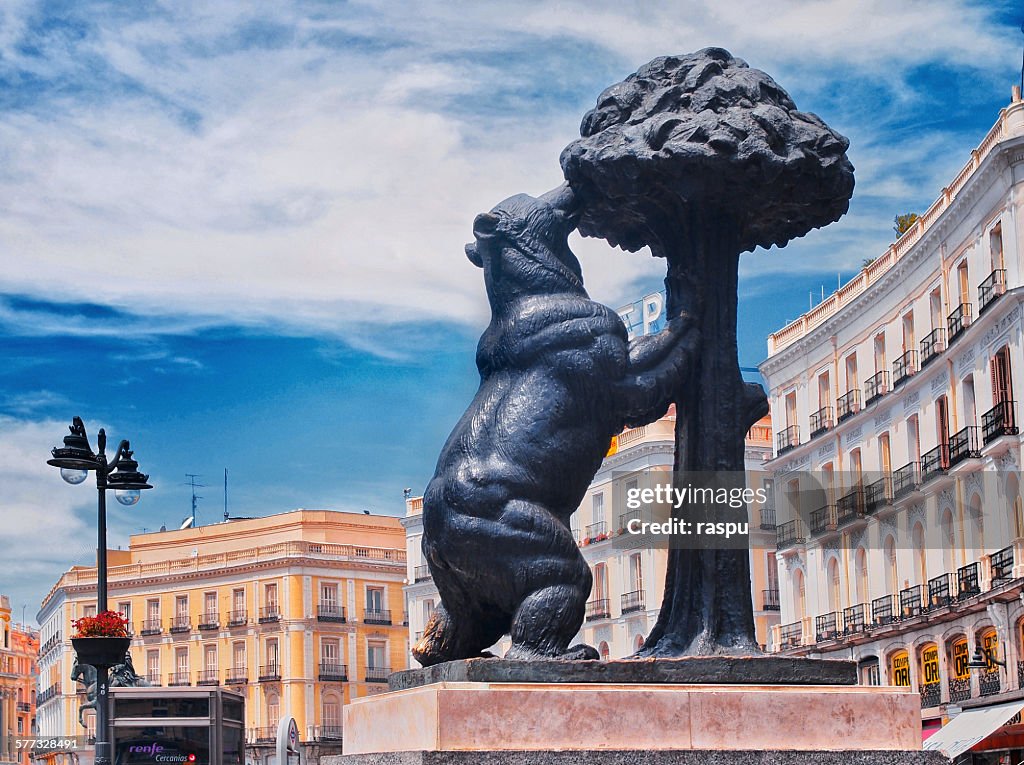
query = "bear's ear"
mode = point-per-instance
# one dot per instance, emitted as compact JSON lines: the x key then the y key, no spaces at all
{"x":485,"y":225}
{"x":474,"y":256}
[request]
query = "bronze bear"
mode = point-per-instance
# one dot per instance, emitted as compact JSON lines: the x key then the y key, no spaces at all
{"x":558,"y":379}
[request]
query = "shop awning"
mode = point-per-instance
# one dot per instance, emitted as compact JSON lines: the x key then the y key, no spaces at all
{"x":970,"y":727}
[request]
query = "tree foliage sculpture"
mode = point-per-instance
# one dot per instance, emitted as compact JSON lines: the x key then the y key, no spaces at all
{"x":701,"y":158}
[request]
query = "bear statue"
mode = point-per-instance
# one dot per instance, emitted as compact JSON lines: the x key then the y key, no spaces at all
{"x":558,"y":379}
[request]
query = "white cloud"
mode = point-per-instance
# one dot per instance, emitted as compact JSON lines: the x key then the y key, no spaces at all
{"x":210,"y":178}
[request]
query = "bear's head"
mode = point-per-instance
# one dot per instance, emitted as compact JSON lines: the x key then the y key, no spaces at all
{"x":522,"y":245}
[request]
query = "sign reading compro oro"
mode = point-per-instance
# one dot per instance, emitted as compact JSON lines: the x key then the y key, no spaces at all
{"x":930,"y":664}
{"x":961,"y":656}
{"x":899,"y":668}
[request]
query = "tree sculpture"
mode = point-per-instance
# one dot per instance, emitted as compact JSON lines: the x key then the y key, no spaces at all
{"x":702,"y":158}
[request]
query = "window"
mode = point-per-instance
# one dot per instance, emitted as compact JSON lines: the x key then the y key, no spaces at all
{"x":597,"y":505}
{"x":879,"y":348}
{"x":331,"y":713}
{"x":942,"y":423}
{"x":1001,"y":386}
{"x":125,"y":609}
{"x":908,"y":333}
{"x":995,"y":247}
{"x":375,"y":655}
{"x":270,"y":596}
{"x":428,"y":609}
{"x":181,"y":606}
{"x":799,"y":595}
{"x":87,"y":611}
{"x":914,"y":439}
{"x":153,"y":666}
{"x":600,"y":582}
{"x":238,"y":601}
{"x":273,"y":711}
{"x":935,"y":308}
{"x":920,"y":571}
{"x":948,"y":541}
{"x":891,"y":574}
{"x":963,"y":282}
{"x":861,"y":565}
{"x":329,"y":595}
{"x":852,"y":381}
{"x":970,"y":408}
{"x":791,"y":409}
{"x":181,"y":662}
{"x":772,"y":571}
{"x":604,"y":651}
{"x":210,"y":604}
{"x":834,"y":600}
{"x":375,"y":599}
{"x":272,"y":654}
{"x":869,"y":673}
{"x":329,"y":651}
{"x":238,"y":656}
{"x":856,"y":468}
{"x":824,"y":391}
{"x":636,"y":572}
{"x":884,"y":454}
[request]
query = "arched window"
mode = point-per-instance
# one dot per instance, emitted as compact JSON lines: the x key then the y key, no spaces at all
{"x":948,"y":541}
{"x":976,"y":514}
{"x":891,"y":572}
{"x":330,"y":717}
{"x":862,"y":575}
{"x":600,"y":582}
{"x":834,"y":601}
{"x":604,"y":651}
{"x":638,"y":642}
{"x":799,"y":595}
{"x":920,"y":568}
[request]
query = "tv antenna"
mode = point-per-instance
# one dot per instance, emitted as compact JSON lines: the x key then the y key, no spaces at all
{"x":195,"y":497}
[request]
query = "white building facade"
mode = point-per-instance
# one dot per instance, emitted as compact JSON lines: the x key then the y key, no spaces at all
{"x":898,"y":454}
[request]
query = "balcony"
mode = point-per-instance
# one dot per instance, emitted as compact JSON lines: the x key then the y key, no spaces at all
{"x":178,"y":678}
{"x":632,"y":515}
{"x":376,"y":616}
{"x":875,"y":387}
{"x":597,"y":532}
{"x":333,"y":672}
{"x":180,"y":624}
{"x":237,"y":676}
{"x":878,"y":494}
{"x":789,"y":534}
{"x":327,"y":733}
{"x":238,"y":618}
{"x":152,"y":627}
{"x":933,"y":344}
{"x":270,"y":672}
{"x":853,"y":619}
{"x":1002,"y":566}
{"x":959,"y":320}
{"x":959,"y":689}
{"x":787,"y":439}
{"x":826,"y":627}
{"x":934,"y":463}
{"x":24,"y":706}
{"x":904,"y":368}
{"x":769,"y":600}
{"x":882,"y":611}
{"x":912,"y":602}
{"x":377,"y":674}
{"x":421,"y":573}
{"x":330,"y":612}
{"x":940,"y":591}
{"x":633,"y":601}
{"x":821,"y":421}
{"x":930,"y":694}
{"x":964,"y":445}
{"x":209,"y":622}
{"x":848,"y":405}
{"x":208,"y":677}
{"x":905,"y":480}
{"x":988,"y":683}
{"x":767,"y":518}
{"x":270,"y":614}
{"x":999,"y":421}
{"x":153,"y":678}
{"x":598,"y":609}
{"x":968,"y":581}
{"x":791,"y":635}
{"x":53,"y":691}
{"x":850,"y":506}
{"x":993,"y":286}
{"x":823,"y":520}
{"x":264,"y":735}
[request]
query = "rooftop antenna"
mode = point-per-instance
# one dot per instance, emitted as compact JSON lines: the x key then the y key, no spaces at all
{"x":226,"y":494}
{"x":195,"y":504}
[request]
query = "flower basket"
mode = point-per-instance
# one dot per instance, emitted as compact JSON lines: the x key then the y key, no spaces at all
{"x":101,"y":651}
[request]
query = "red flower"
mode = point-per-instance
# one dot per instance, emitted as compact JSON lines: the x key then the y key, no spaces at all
{"x":106,"y":624}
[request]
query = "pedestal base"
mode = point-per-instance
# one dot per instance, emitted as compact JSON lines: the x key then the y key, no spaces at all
{"x":608,"y":757}
{"x":492,"y":717}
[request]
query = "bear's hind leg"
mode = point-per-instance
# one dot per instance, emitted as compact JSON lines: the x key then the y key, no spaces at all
{"x":446,"y":638}
{"x":546,"y":622}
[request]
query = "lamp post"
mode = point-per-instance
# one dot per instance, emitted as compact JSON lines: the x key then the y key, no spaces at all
{"x":75,"y":459}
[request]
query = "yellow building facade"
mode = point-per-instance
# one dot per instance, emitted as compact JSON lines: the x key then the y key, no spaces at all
{"x":18,"y":648}
{"x":300,"y":612}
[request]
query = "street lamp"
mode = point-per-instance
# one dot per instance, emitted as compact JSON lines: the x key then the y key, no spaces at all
{"x":75,"y":459}
{"x":984,"y":658}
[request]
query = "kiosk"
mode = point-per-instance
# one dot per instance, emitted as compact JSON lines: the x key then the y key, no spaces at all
{"x":177,"y":726}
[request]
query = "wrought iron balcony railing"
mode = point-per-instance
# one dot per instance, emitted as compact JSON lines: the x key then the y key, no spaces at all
{"x":823,"y":520}
{"x":821,"y":421}
{"x":964,"y":445}
{"x":992,"y":287}
{"x":940,"y":591}
{"x":333,"y":671}
{"x":237,"y":676}
{"x":598,"y":609}
{"x":596,"y":529}
{"x":327,"y":733}
{"x":209,"y":622}
{"x":153,"y":678}
{"x":848,"y":405}
{"x":934,"y":463}
{"x":878,"y":494}
{"x":377,"y":674}
{"x":632,"y":601}
{"x":904,"y":368}
{"x":1002,"y":566}
{"x":769,"y":600}
{"x":850,"y":506}
{"x":181,"y":624}
{"x":912,"y":601}
{"x":790,"y":533}
{"x":853,"y":619}
{"x":238,"y":618}
{"x":178,"y":678}
{"x":421,"y":573}
{"x":208,"y":677}
{"x":632,"y":515}
{"x":826,"y":627}
{"x":330,"y":612}
{"x":767,"y":518}
{"x":999,"y":421}
{"x":270,"y":672}
{"x":882,"y":610}
{"x":959,"y":320}
{"x":271,"y":613}
{"x":876,"y":386}
{"x":377,"y":616}
{"x":905,"y":480}
{"x":152,"y":627}
{"x":791,"y":635}
{"x":787,"y":439}
{"x":968,"y":581}
{"x":933,"y":344}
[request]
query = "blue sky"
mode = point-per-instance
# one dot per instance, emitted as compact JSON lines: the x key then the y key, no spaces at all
{"x":233,"y":232}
